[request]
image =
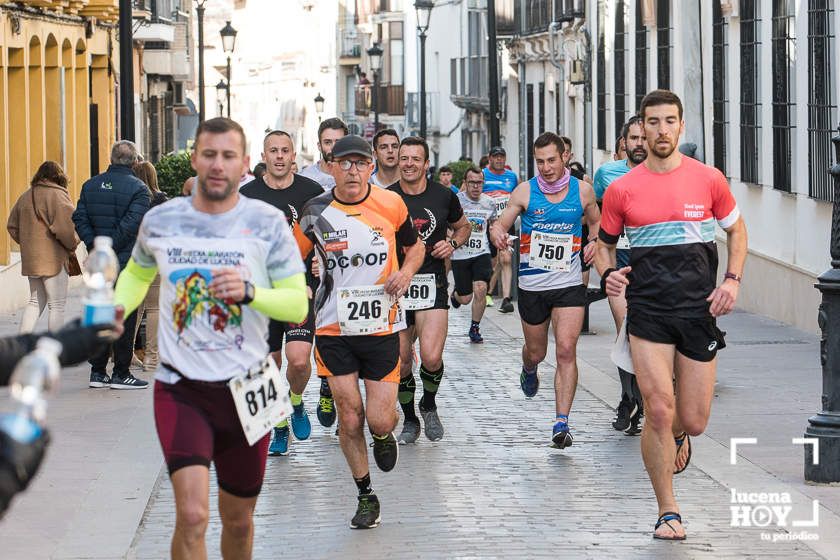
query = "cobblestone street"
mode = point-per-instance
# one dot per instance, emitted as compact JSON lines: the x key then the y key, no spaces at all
{"x":492,"y":488}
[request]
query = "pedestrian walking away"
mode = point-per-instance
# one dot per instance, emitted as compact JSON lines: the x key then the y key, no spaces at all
{"x":471,"y":264}
{"x":386,"y":147}
{"x":41,"y":222}
{"x":630,"y":410}
{"x":288,"y":192}
{"x":434,"y":209}
{"x":113,"y":204}
{"x":227,"y":264}
{"x":668,"y":207}
{"x":356,"y":229}
{"x":551,"y":290}
{"x":499,"y":183}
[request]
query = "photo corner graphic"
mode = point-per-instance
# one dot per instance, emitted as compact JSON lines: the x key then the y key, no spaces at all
{"x":782,"y":518}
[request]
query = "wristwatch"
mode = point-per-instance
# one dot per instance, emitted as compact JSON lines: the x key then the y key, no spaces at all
{"x":732,"y":276}
{"x":250,"y":289}
{"x":453,"y":244}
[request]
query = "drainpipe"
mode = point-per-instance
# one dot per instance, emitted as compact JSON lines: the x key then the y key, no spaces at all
{"x":558,"y":60}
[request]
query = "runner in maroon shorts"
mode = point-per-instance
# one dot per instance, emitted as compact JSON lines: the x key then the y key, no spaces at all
{"x":227,"y":264}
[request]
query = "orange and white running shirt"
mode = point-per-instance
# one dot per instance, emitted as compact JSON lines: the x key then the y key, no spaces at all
{"x":357,"y":245}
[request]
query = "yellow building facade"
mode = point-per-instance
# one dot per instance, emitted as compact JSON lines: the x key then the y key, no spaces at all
{"x":58,"y":96}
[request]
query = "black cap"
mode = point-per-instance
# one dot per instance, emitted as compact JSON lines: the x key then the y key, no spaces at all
{"x":496,"y":150}
{"x":352,"y":144}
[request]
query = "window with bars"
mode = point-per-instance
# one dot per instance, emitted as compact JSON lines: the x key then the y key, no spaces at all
{"x":619,"y":69}
{"x":641,"y":54}
{"x":750,"y":98}
{"x":720,"y":99}
{"x":822,"y":103}
{"x":663,"y":44}
{"x":601,"y":95}
{"x":783,"y":107}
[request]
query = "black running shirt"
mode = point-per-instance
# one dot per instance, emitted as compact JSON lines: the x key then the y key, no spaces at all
{"x":290,"y":200}
{"x":431,"y":211}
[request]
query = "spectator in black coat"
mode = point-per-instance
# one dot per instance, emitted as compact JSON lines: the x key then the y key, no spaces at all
{"x":113,"y":204}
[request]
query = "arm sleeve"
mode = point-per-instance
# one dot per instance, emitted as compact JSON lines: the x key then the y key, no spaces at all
{"x":129,"y":225}
{"x":284,"y":253}
{"x":612,"y":215}
{"x":598,"y":183}
{"x":286,"y":300}
{"x":83,"y":225}
{"x":455,"y":209}
{"x":61,"y":223}
{"x":132,"y":285}
{"x":12,"y":225}
{"x":12,"y":349}
{"x":724,"y":207}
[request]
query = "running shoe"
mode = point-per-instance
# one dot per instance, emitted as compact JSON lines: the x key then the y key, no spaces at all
{"x":506,"y":307}
{"x":432,"y":425}
{"x":410,"y":431}
{"x":367,"y":513}
{"x":530,"y":382}
{"x":326,"y":406}
{"x":300,"y":422}
{"x":454,"y":302}
{"x":489,"y":301}
{"x":280,"y":442}
{"x":99,"y":380}
{"x":561,"y":438}
{"x":475,"y":335}
{"x":385,"y":451}
{"x":623,"y":413}
{"x":127,"y":381}
{"x":636,"y":422}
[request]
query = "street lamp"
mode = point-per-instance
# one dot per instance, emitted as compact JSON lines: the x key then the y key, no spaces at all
{"x":199,"y":9}
{"x":228,"y":34}
{"x":221,"y":94}
{"x":375,"y":55}
{"x":424,"y":14}
{"x":319,"y":105}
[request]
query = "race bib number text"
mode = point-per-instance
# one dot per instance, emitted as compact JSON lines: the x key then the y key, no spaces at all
{"x":262,"y":400}
{"x":551,"y":251}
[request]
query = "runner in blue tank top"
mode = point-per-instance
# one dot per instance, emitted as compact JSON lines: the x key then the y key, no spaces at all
{"x":551,"y":290}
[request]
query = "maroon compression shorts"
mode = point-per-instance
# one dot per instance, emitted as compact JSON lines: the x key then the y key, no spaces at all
{"x":197,"y":423}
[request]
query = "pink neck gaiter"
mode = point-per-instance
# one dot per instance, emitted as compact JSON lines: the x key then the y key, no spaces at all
{"x":555,"y":187}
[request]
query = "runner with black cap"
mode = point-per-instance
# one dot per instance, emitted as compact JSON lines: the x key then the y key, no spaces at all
{"x":356,"y":230}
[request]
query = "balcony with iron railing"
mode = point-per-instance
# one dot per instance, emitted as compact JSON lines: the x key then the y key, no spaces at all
{"x":349,"y":46}
{"x":390,"y":101}
{"x":469,"y":82}
{"x":535,"y":16}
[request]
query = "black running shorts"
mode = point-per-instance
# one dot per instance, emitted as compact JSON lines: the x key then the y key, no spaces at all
{"x":375,"y":357}
{"x":467,"y":271}
{"x":441,"y":297}
{"x":535,"y":307}
{"x":197,"y":423}
{"x":293,"y":332}
{"x":696,"y":338}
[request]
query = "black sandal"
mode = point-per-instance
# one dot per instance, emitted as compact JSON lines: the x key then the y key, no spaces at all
{"x":665,"y":519}
{"x":680,"y":441}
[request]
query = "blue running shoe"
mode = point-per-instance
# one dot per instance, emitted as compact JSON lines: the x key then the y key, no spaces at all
{"x":475,"y":335}
{"x":280,"y":442}
{"x":530,"y":382}
{"x":300,"y":422}
{"x":561,"y":438}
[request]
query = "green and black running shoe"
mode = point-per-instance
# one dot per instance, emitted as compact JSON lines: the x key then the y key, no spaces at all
{"x":386,"y":452}
{"x":326,"y":406}
{"x":367,"y":513}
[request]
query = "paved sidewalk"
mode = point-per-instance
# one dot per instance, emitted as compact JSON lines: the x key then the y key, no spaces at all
{"x":493,"y":488}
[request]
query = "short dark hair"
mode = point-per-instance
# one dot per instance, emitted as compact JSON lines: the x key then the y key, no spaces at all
{"x":617,"y":146}
{"x":445,"y":169}
{"x":333,"y":124}
{"x":625,"y":130}
{"x":548,"y":138}
{"x":483,"y":161}
{"x":567,"y":141}
{"x":384,"y":132}
{"x":416,"y":141}
{"x":50,"y":171}
{"x":472,"y":169}
{"x":219,"y":125}
{"x":278,"y":133}
{"x":660,"y":97}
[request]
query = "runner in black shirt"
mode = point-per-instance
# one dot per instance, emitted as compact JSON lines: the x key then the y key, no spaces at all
{"x":434,"y":209}
{"x":288,"y":192}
